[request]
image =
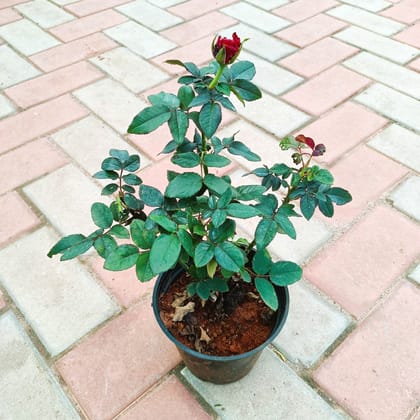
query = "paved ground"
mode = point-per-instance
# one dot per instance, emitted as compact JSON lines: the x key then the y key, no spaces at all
{"x":78,"y":342}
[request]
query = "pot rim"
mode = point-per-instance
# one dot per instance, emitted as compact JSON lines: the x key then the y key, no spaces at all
{"x":194,"y":353}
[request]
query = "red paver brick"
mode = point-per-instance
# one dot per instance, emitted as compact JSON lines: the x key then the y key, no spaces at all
{"x":87,"y":25}
{"x":15,"y":217}
{"x":8,"y":15}
{"x":326,"y":90}
{"x":117,"y":364}
{"x":339,"y":132}
{"x":367,"y":174}
{"x":87,"y":7}
{"x":74,"y":51}
{"x":180,"y":406}
{"x":374,"y":373}
{"x":311,"y":30}
{"x":193,"y":8}
{"x":357,"y":269}
{"x":318,"y":57}
{"x":303,"y":9}
{"x":38,"y":121}
{"x":124,"y":285}
{"x":194,"y":29}
{"x":28,"y":162}
{"x":415,"y":65}
{"x":410,"y":35}
{"x":407,"y":11}
{"x":53,"y":84}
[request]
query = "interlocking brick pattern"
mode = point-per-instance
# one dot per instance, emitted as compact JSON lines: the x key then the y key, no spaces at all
{"x":345,"y":72}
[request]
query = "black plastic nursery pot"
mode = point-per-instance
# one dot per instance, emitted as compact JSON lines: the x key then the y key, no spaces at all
{"x":217,"y":369}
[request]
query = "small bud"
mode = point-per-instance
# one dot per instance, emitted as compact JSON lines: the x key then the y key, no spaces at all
{"x":319,"y":150}
{"x":297,"y":158}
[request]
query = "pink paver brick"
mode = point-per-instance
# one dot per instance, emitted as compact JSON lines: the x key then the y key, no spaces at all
{"x":326,"y":90}
{"x":28,"y":162}
{"x":87,"y":7}
{"x":357,"y":269}
{"x":117,"y":364}
{"x":318,"y":57}
{"x":311,"y":30}
{"x":180,"y":406}
{"x":339,"y":132}
{"x":352,"y":173}
{"x":38,"y":121}
{"x":124,"y":285}
{"x":407,"y":11}
{"x":15,"y":217}
{"x":2,"y":301}
{"x":73,"y":51}
{"x":374,"y":373}
{"x":8,"y":3}
{"x":415,"y":65}
{"x":8,"y":15}
{"x":53,"y":84}
{"x":410,"y":35}
{"x":87,"y":25}
{"x":303,"y":9}
{"x":194,"y":29}
{"x":193,"y":8}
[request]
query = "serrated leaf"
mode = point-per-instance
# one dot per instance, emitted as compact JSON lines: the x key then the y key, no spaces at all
{"x":101,"y":215}
{"x":65,"y":243}
{"x":229,"y":256}
{"x":285,"y":225}
{"x":111,"y":164}
{"x":201,"y":99}
{"x":324,"y":177}
{"x":167,"y":99}
{"x":133,"y":202}
{"x":261,"y":262}
{"x":202,"y":290}
{"x":121,"y":155}
{"x":106,"y":175}
{"x":240,"y":149}
{"x":132,"y":164}
{"x":225,"y":199}
{"x":210,"y":118}
{"x":216,"y":184}
{"x":186,"y":241}
{"x":184,"y":185}
{"x":218,"y":217}
{"x":77,"y":249}
{"x":267,"y":292}
{"x":149,"y":119}
{"x":151,"y":196}
{"x":216,"y":161}
{"x":132,"y":179}
{"x":326,"y":207}
{"x":164,"y":222}
{"x":119,"y":231}
{"x":281,"y":169}
{"x":247,"y":90}
{"x":141,"y":236}
{"x":109,"y":189}
{"x":164,"y":253}
{"x":242,"y":211}
{"x":185,"y":95}
{"x":250,"y":192}
{"x":178,"y":125}
{"x":144,"y":271}
{"x":265,"y":232}
{"x":339,"y":195}
{"x":128,"y":188}
{"x":308,"y":205}
{"x":283,"y":273}
{"x":121,"y":258}
{"x":104,"y":245}
{"x":186,"y":160}
{"x":226,"y":231}
{"x":242,"y":70}
{"x":203,"y":254}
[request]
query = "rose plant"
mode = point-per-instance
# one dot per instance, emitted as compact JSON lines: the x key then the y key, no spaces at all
{"x":193,"y":222}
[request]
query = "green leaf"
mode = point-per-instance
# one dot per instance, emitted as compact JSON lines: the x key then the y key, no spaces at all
{"x":121,"y":258}
{"x":281,"y":169}
{"x":267,"y":205}
{"x":132,"y":164}
{"x":186,"y":160}
{"x":201,"y":99}
{"x":141,"y":236}
{"x":247,"y":90}
{"x":283,"y":273}
{"x":243,"y":70}
{"x":186,"y":241}
{"x":308,"y":205}
{"x":185,"y":95}
{"x":267,"y":292}
{"x":324,"y":177}
{"x":129,"y":189}
{"x":77,"y":250}
{"x":217,"y":284}
{"x":120,"y":232}
{"x":210,"y":118}
{"x":326,"y":207}
{"x":106,"y":175}
{"x":164,"y":253}
{"x":242,"y":211}
{"x":240,"y":149}
{"x":246,"y":277}
{"x":178,"y":125}
{"x":203,"y":254}
{"x":101,"y":215}
{"x":218,"y":217}
{"x":227,"y":230}
{"x":65,"y":243}
{"x":216,"y":161}
{"x":265,"y":233}
{"x":151,"y":196}
{"x":133,"y":202}
{"x":132,"y":179}
{"x":164,"y":221}
{"x":104,"y":245}
{"x":184,"y":185}
{"x":225,"y":199}
{"x":167,"y":99}
{"x":144,"y":271}
{"x":285,"y":225}
{"x":261,"y":263}
{"x":203,"y":290}
{"x":111,"y":164}
{"x":149,"y":119}
{"x":216,"y":184}
{"x":289,"y":142}
{"x":229,"y":256}
{"x":339,"y":195}
{"x":250,"y":192}
{"x":121,"y":155}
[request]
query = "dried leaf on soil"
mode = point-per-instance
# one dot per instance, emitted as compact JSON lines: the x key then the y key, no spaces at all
{"x":181,"y":311}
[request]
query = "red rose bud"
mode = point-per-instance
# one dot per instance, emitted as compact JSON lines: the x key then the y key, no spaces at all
{"x":226,"y":50}
{"x":320,"y":149}
{"x":307,"y":140}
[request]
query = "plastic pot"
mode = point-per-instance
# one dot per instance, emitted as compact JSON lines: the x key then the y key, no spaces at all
{"x":217,"y":369}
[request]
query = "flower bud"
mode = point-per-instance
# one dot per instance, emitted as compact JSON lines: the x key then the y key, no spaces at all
{"x":226,"y":50}
{"x":319,"y":150}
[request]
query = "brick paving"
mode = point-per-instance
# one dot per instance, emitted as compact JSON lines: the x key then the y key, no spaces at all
{"x":79,"y":342}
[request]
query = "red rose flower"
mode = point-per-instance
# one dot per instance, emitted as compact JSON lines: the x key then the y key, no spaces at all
{"x":231,"y":48}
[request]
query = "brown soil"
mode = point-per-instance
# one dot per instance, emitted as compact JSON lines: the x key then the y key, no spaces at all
{"x":235,"y":323}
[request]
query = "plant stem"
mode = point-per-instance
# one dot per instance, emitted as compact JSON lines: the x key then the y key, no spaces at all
{"x":219,"y":73}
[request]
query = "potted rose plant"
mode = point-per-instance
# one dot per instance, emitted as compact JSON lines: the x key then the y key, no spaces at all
{"x":219,"y":297}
